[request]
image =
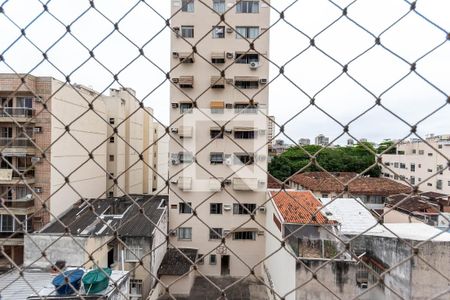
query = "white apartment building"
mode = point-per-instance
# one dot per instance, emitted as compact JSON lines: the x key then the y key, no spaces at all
{"x":321,"y":140}
{"x":218,"y":146}
{"x":420,"y":164}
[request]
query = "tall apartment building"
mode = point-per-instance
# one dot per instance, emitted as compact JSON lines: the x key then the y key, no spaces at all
{"x":270,"y":130}
{"x":304,"y":141}
{"x":321,"y":140}
{"x":218,"y":143}
{"x":417,"y":161}
{"x":161,"y":159}
{"x":134,"y":137}
{"x":48,"y":134}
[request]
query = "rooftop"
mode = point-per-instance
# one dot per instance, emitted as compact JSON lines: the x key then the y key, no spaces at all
{"x":412,"y":204}
{"x":410,"y":231}
{"x":121,"y":214}
{"x":36,"y":284}
{"x":323,"y":182}
{"x":350,"y":213}
{"x":175,"y":261}
{"x":299,"y":207}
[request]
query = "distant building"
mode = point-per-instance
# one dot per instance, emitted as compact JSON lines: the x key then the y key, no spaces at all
{"x":140,"y":237}
{"x":371,"y":190}
{"x":350,"y":142}
{"x":419,"y":164}
{"x":279,"y":147}
{"x":321,"y":140}
{"x":161,"y":159}
{"x":363,"y":140}
{"x":304,"y":141}
{"x":270,"y":130}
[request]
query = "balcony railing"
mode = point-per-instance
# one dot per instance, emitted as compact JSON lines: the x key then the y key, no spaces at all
{"x":19,"y":203}
{"x":16,"y":142}
{"x":24,"y":112}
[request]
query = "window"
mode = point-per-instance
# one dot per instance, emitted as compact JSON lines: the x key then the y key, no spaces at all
{"x":187,"y":5}
{"x":430,"y":154}
{"x":247,"y":7}
{"x":413,"y":167}
{"x":245,"y":108}
{"x":396,"y":165}
{"x":414,"y":151}
{"x":111,"y":139}
{"x":7,"y":223}
{"x":448,"y":183}
{"x":402,"y":166}
{"x":246,"y":135}
{"x":429,"y":170}
{"x":135,"y":288}
{"x":133,"y":252}
{"x":429,"y":184}
{"x":112,"y":121}
{"x":248,"y":32}
{"x":212,"y":259}
{"x":187,"y":31}
{"x":219,"y":6}
{"x":185,"y":233}
{"x":216,"y":133}
{"x":421,"y":152}
{"x":6,"y":132}
{"x":216,"y":158}
{"x":439,"y":146}
{"x":246,"y":84}
{"x":440,"y":169}
{"x":244,"y":159}
{"x":111,"y":158}
{"x":412,"y":179}
{"x":186,"y":107}
{"x":215,"y":233}
{"x":25,"y":102}
{"x":110,"y":194}
{"x":246,"y":58}
{"x":185,"y":208}
{"x":243,"y":209}
{"x":185,"y":157}
{"x":215,"y":208}
{"x":218,"y":32}
{"x":324,"y":195}
{"x":439,"y":184}
{"x":244,"y":235}
{"x":200,"y":259}
{"x":419,"y":166}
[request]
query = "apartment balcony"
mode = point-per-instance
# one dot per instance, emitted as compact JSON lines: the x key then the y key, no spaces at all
{"x":19,"y":114}
{"x":17,"y":146}
{"x":25,"y":202}
{"x":10,"y":177}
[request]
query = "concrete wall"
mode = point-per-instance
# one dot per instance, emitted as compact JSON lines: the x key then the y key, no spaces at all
{"x":159,"y":246}
{"x":69,"y":153}
{"x":179,"y":286}
{"x":395,"y":216}
{"x":282,"y":281}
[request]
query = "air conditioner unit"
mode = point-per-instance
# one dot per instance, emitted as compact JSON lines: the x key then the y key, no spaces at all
{"x":230,"y":55}
{"x":229,"y":30}
{"x":175,"y":162}
{"x":173,"y":233}
{"x":229,"y":81}
{"x":263,"y":81}
{"x":174,"y":105}
{"x":254,"y":65}
{"x":175,"y":54}
{"x":38,"y":189}
{"x":174,"y":180}
{"x":261,"y":232}
{"x":261,"y":157}
{"x":261,"y":182}
{"x":228,"y":161}
{"x":174,"y":130}
{"x":262,"y":209}
{"x":227,"y":207}
{"x":175,"y":80}
{"x":35,"y":159}
{"x":226,"y":232}
{"x":228,"y":106}
{"x":228,"y":131}
{"x":37,"y":129}
{"x":227,"y":181}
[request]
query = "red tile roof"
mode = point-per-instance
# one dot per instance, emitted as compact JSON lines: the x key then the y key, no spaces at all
{"x":272,"y":183}
{"x":323,"y":182}
{"x":299,"y":207}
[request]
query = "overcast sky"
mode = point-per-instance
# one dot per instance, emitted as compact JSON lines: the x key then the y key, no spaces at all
{"x":412,"y":99}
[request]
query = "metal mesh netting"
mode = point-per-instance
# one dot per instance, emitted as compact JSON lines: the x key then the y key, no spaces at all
{"x":85,"y":177}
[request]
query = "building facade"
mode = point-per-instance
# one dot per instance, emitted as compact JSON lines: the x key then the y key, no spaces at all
{"x":304,"y":141}
{"x":321,"y":140}
{"x":421,"y":163}
{"x":218,"y":146}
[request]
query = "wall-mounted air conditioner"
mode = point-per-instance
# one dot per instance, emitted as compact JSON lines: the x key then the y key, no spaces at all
{"x":175,"y":80}
{"x":254,"y":65}
{"x":263,"y":80}
{"x":227,"y":207}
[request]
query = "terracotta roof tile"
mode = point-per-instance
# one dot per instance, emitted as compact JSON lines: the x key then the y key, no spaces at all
{"x":299,"y":207}
{"x":323,"y":182}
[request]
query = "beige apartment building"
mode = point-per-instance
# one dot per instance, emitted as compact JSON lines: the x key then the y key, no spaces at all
{"x":55,"y":150}
{"x":218,"y":146}
{"x":421,"y":163}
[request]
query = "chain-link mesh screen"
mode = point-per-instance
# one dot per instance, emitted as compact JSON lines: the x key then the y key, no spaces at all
{"x":140,"y":157}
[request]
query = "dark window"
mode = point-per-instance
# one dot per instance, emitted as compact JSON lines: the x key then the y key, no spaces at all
{"x":216,"y":133}
{"x":218,"y":60}
{"x":112,"y":121}
{"x":216,"y":158}
{"x":7,"y":223}
{"x":187,"y":31}
{"x":215,"y":208}
{"x":215,"y":233}
{"x":439,"y":184}
{"x":187,"y":5}
{"x":219,"y":6}
{"x":245,"y":108}
{"x":244,"y":158}
{"x":111,"y":158}
{"x":247,"y":135}
{"x":402,"y":166}
{"x":186,"y":107}
{"x":244,"y":235}
{"x":185,"y":208}
{"x":247,"y":7}
{"x":212,"y":259}
{"x":246,"y":84}
{"x":200,"y":259}
{"x":246,"y":58}
{"x":430,"y":154}
{"x":111,"y":139}
{"x":413,"y":167}
{"x":248,"y":32}
{"x":244,"y":208}
{"x":185,"y":157}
